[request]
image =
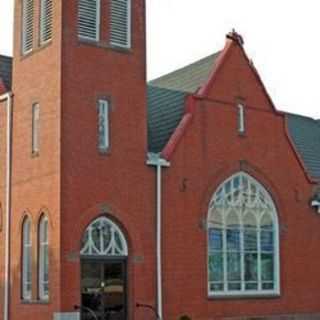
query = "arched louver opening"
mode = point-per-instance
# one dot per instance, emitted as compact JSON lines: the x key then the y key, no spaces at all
{"x":243,"y":241}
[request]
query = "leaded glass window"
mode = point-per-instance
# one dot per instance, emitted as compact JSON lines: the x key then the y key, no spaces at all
{"x":103,"y":238}
{"x":242,"y":239}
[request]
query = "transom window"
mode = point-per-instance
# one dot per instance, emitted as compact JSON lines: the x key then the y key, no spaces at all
{"x":103,"y":238}
{"x":243,"y":252}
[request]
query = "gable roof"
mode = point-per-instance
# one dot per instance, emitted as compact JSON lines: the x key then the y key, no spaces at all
{"x":188,"y":78}
{"x":6,"y":71}
{"x":166,"y":99}
{"x":166,"y":108}
{"x":305,"y":134}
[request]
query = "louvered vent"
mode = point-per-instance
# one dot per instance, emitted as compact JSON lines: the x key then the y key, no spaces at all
{"x":27,"y":26}
{"x":46,"y":20}
{"x":89,"y":19}
{"x":120,"y":23}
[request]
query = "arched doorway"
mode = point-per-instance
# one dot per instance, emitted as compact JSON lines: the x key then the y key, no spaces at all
{"x":104,"y":253}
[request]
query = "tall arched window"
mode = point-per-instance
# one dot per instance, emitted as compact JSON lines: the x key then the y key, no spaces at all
{"x":43,"y":263}
{"x":243,"y":240}
{"x":26,"y":279}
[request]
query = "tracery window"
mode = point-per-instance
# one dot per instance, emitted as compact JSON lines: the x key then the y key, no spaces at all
{"x":103,"y":238}
{"x":243,"y":250}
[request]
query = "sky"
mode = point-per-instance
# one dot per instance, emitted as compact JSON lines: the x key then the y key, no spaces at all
{"x":281,"y":37}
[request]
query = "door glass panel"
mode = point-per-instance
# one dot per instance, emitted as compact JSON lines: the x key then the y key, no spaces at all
{"x":103,"y":290}
{"x":91,"y":290}
{"x":114,"y":291}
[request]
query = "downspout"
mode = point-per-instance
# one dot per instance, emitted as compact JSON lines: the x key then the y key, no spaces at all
{"x":156,"y":161}
{"x":7,"y":97}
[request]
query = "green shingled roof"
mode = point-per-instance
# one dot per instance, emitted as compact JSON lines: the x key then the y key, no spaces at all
{"x":166,"y":99}
{"x":305,"y":133}
{"x":189,"y":78}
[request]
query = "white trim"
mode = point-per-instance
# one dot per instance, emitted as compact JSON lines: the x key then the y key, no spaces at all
{"x":7,"y":97}
{"x":158,"y":162}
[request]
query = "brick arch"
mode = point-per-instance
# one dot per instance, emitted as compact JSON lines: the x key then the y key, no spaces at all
{"x":44,"y":211}
{"x":26,"y":214}
{"x":92,"y":214}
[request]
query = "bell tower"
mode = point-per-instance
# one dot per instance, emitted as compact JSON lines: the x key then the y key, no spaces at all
{"x":79,"y":147}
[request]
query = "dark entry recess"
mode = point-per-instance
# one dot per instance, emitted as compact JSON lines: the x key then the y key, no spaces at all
{"x":103,"y":289}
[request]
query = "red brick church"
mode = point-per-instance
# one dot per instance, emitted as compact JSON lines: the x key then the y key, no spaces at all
{"x":188,"y":197}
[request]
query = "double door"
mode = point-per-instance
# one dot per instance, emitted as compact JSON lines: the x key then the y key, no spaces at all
{"x":103,"y":289}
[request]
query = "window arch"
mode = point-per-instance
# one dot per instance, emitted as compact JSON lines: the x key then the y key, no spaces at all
{"x":26,"y":279}
{"x":43,"y":263}
{"x":243,"y":239}
{"x":103,"y":237}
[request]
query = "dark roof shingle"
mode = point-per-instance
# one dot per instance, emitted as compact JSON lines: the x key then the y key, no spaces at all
{"x":166,"y":99}
{"x":188,"y":78}
{"x":6,"y":70}
{"x":305,"y":133}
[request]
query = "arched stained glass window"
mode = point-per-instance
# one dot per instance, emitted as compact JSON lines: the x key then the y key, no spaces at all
{"x":103,"y":238}
{"x":26,"y":278}
{"x":243,"y":243}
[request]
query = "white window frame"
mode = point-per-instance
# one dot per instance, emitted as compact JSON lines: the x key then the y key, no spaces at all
{"x":35,"y":128}
{"x":241,"y":119}
{"x":98,"y":21}
{"x":129,"y":27}
{"x":26,"y":294}
{"x":43,"y":20}
{"x":43,"y":247}
{"x":24,"y":22}
{"x":103,"y":120}
{"x":276,"y":264}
